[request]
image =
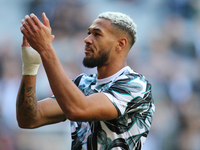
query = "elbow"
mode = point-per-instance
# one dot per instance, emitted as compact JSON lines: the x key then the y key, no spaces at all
{"x":22,"y":126}
{"x":25,"y":124}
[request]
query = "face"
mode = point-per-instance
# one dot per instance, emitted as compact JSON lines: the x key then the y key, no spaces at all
{"x":100,"y":43}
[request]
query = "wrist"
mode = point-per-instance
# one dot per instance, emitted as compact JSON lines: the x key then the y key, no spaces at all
{"x":31,"y":61}
{"x":48,"y":54}
{"x":30,"y":69}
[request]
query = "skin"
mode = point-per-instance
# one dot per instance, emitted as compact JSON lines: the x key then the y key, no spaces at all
{"x":71,"y":102}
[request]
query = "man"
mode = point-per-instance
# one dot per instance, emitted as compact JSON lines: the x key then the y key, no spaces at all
{"x":112,"y":109}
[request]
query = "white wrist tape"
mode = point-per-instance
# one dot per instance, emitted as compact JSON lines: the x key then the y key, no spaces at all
{"x":31,"y":61}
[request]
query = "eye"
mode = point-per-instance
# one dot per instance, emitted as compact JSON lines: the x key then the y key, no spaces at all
{"x":96,"y":34}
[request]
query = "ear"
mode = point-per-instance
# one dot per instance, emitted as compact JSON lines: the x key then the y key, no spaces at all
{"x":122,"y":43}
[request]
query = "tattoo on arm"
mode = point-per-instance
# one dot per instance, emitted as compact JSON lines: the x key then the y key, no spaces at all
{"x":27,"y":96}
{"x":32,"y":101}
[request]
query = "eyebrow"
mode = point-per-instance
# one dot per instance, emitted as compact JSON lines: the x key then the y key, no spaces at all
{"x":95,"y":29}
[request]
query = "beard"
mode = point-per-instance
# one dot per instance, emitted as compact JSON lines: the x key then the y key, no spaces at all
{"x":91,"y":62}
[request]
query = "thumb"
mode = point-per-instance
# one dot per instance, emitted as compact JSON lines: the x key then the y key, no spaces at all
{"x":45,"y":20}
{"x":25,"y":42}
{"x":52,"y":37}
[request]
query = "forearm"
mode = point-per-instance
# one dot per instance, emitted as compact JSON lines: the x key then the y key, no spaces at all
{"x":26,"y":105}
{"x":39,"y":37}
{"x":66,"y":92}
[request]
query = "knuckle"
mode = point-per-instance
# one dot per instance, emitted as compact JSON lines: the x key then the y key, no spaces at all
{"x":34,"y":30}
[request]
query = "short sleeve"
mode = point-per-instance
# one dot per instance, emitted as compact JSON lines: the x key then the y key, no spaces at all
{"x":128,"y":93}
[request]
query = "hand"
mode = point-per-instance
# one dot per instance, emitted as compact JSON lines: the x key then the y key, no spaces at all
{"x":25,"y":43}
{"x":30,"y":57}
{"x":36,"y":34}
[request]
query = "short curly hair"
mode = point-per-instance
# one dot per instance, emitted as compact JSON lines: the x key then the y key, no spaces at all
{"x":122,"y":22}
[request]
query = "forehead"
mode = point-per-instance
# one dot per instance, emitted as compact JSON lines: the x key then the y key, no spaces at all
{"x":101,"y":24}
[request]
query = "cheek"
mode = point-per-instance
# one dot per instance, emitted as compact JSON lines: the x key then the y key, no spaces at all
{"x":104,"y":44}
{"x":108,"y":47}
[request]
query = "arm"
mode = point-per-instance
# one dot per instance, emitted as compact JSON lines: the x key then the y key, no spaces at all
{"x":72,"y":101}
{"x":30,"y":113}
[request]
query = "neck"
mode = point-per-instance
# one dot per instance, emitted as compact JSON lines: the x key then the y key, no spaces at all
{"x":108,"y":70}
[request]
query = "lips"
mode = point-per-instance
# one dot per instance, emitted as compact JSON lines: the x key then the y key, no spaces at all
{"x":88,"y":49}
{"x":88,"y":53}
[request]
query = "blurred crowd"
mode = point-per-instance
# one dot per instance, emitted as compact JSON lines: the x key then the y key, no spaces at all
{"x":167,"y":53}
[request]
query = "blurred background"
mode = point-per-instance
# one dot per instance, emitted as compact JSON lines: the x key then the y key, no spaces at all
{"x":167,"y":53}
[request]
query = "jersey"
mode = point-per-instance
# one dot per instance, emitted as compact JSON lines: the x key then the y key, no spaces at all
{"x":131,"y":95}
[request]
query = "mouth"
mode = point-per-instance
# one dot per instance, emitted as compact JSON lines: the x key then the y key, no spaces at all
{"x":88,"y":50}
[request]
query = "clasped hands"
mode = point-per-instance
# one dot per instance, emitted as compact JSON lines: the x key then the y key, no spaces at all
{"x":37,"y":38}
{"x":37,"y":34}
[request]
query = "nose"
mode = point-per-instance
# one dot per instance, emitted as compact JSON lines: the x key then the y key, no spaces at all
{"x":88,"y":40}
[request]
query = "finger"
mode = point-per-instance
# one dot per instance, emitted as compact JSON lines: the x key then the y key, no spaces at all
{"x":26,"y":26}
{"x":52,"y":37}
{"x":36,"y":20}
{"x":24,"y":31}
{"x":30,"y":22}
{"x":25,"y":42}
{"x":45,"y":20}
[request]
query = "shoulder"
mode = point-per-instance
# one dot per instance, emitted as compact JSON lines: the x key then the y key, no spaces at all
{"x":129,"y":83}
{"x":129,"y":76}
